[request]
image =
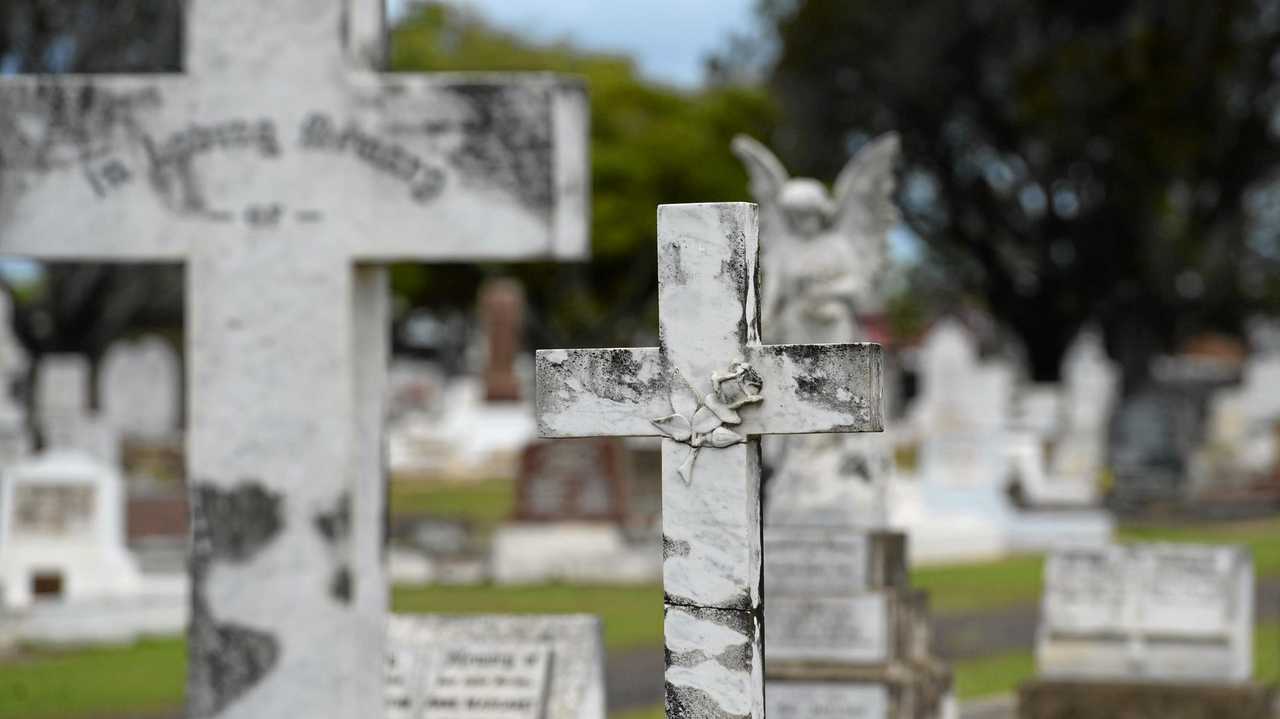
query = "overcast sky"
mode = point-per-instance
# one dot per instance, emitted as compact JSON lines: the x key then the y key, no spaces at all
{"x":667,"y":38}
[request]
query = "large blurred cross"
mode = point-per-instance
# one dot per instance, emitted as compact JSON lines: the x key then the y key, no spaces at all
{"x":710,"y":389}
{"x":284,"y":174}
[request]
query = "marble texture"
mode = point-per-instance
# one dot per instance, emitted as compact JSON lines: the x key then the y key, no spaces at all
{"x":284,"y":173}
{"x":1164,"y":612}
{"x":575,"y":687}
{"x":711,"y":388}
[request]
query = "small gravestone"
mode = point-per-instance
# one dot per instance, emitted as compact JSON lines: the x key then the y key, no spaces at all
{"x":1172,"y":625}
{"x":572,"y":480}
{"x":139,"y":387}
{"x":65,"y":572}
{"x":495,"y":667}
{"x":842,"y":616}
{"x":502,"y":316}
{"x":63,"y":413}
{"x":568,"y":524}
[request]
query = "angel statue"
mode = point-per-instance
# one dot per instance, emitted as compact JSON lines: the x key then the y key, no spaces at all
{"x":824,"y":258}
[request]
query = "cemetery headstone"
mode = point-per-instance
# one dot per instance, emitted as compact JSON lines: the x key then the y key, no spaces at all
{"x":495,"y":667}
{"x":1153,"y":618}
{"x":139,"y":387}
{"x":710,"y":389}
{"x":285,"y":174}
{"x":502,"y":316}
{"x":63,"y":538}
{"x":568,"y":524}
{"x":62,"y":409}
{"x":572,"y":479}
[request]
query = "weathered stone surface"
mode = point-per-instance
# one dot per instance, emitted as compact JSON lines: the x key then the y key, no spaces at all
{"x":281,"y":172}
{"x":568,"y":648}
{"x":710,"y":389}
{"x":811,"y":561}
{"x":1160,"y":611}
{"x":714,"y":663}
{"x":809,"y":700}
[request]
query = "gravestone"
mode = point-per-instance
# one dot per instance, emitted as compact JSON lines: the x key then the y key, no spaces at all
{"x":285,"y":175}
{"x":66,"y":575}
{"x":139,"y":388}
{"x":841,"y":615}
{"x":495,"y":667}
{"x":1091,"y":384}
{"x":710,"y":390}
{"x":568,"y":524}
{"x":1153,"y":618}
{"x":502,"y":317}
{"x":572,"y":480}
{"x":15,"y":436}
{"x":62,"y":409}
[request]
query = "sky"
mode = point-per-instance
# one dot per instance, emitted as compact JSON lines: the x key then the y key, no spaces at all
{"x":669,"y":39}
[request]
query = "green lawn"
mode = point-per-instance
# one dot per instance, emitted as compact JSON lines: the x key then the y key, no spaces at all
{"x":1002,"y":674}
{"x":486,"y":502}
{"x":123,"y":681}
{"x":632,"y":615}
{"x":985,"y":586}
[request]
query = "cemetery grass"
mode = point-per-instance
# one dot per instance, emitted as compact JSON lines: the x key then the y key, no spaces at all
{"x":987,"y":586}
{"x":632,"y":614}
{"x":484,"y":502}
{"x":146,"y":678}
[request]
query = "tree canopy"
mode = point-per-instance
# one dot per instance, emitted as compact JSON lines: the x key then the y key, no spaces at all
{"x":1066,"y":163}
{"x":650,"y":144}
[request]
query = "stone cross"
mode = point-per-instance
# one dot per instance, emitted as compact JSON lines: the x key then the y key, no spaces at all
{"x":710,"y":389}
{"x":284,"y":173}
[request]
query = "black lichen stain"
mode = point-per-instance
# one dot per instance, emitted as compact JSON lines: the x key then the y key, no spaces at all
{"x":507,"y":142}
{"x":340,"y":585}
{"x":613,"y":374}
{"x":856,"y":465}
{"x":671,"y":270}
{"x":819,"y":368}
{"x":232,"y":526}
{"x":227,"y":658}
{"x":689,"y":703}
{"x":335,"y":528}
{"x":674,"y":547}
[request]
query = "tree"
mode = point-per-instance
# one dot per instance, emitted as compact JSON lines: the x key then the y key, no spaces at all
{"x":650,"y":144}
{"x":1064,"y":162}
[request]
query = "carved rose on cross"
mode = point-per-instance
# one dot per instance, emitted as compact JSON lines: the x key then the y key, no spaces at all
{"x":698,"y":422}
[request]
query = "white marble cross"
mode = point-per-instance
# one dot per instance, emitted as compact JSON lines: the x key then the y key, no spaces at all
{"x":710,"y":389}
{"x":284,"y":174}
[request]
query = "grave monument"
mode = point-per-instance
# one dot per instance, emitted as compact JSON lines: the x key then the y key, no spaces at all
{"x":710,"y":390}
{"x":285,"y":173}
{"x":827,"y":508}
{"x":1147,"y":630}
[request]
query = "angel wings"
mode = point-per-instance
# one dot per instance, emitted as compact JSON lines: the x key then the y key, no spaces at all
{"x":823,"y":253}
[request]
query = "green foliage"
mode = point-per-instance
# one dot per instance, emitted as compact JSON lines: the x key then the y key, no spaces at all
{"x":1064,"y":162}
{"x":145,"y":678}
{"x":650,"y":144}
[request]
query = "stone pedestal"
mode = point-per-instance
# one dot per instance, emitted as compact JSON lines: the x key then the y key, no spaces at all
{"x":1049,"y":699}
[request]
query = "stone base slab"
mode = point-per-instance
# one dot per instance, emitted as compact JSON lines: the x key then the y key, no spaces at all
{"x":1053,"y":699}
